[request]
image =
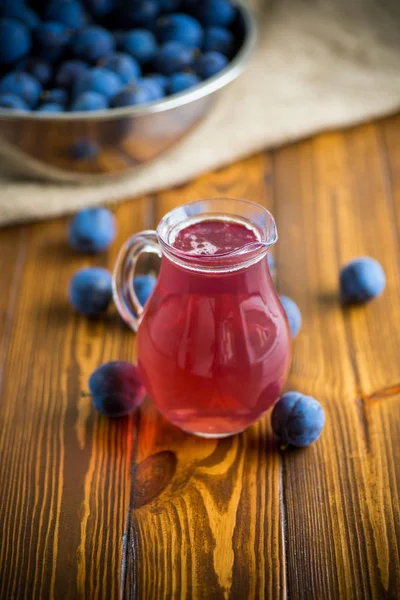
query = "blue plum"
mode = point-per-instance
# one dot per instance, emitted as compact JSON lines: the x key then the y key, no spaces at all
{"x":143,"y":286}
{"x":92,"y":230}
{"x":161,"y":80}
{"x":52,"y":38}
{"x":141,"y":12}
{"x":22,"y":13}
{"x":172,"y":57}
{"x":180,"y":82}
{"x":68,"y":12}
{"x":90,"y":291}
{"x":218,"y":39}
{"x":69,"y":72}
{"x":293,"y":314}
{"x":297,"y":420}
{"x":140,"y":44}
{"x":55,"y":96}
{"x":167,"y":6}
{"x":101,"y":8}
{"x":271,"y":263}
{"x":89,"y":101}
{"x":15,"y":41}
{"x":123,"y":65}
{"x":84,"y":149}
{"x":38,"y":68}
{"x":141,"y":93}
{"x":11,"y":102}
{"x":22,"y":85}
{"x":93,"y":43}
{"x":215,"y":12}
{"x":361,"y":280}
{"x":99,"y":80}
{"x":116,"y":388}
{"x":180,"y":28}
{"x":209,"y":64}
{"x":154,"y":86}
{"x":51,"y":107}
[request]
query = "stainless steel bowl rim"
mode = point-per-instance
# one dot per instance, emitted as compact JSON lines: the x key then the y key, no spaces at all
{"x":231,"y":71}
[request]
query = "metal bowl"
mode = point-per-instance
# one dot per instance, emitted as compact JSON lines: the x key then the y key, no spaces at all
{"x":84,"y":147}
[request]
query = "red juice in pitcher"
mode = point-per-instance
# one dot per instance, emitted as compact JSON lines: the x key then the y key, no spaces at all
{"x":213,"y":343}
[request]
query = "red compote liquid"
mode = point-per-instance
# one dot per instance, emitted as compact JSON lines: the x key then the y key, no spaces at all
{"x":213,"y":347}
{"x":212,"y":237}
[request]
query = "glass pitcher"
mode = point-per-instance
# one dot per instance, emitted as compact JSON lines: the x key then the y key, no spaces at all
{"x":213,"y":342}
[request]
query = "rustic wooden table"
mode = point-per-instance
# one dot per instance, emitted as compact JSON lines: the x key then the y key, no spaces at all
{"x":90,"y":506}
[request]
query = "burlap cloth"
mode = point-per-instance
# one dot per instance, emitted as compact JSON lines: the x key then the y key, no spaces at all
{"x":319,"y":64}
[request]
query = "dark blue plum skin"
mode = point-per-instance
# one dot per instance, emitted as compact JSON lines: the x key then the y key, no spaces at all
{"x":297,"y":420}
{"x":141,"y":12}
{"x":15,"y":41}
{"x":116,"y":388}
{"x":154,"y":88}
{"x":84,"y":149}
{"x":271,"y":263}
{"x":140,"y":44}
{"x":141,"y":93}
{"x":131,"y":96}
{"x":172,"y":57}
{"x":100,"y":80}
{"x":22,"y":13}
{"x":93,"y":43}
{"x":144,"y":286}
{"x":52,"y":38}
{"x":89,"y":101}
{"x":218,"y":39}
{"x":69,"y":72}
{"x":23,"y":86}
{"x":92,"y":230}
{"x":361,"y":280}
{"x":90,"y":291}
{"x":209,"y":64}
{"x":215,"y":12}
{"x":168,"y":6}
{"x":161,"y":80}
{"x":123,"y":65}
{"x":101,"y":8}
{"x":38,"y":68}
{"x":50,"y":107}
{"x":180,"y":28}
{"x":55,"y":96}
{"x":293,"y":315}
{"x":11,"y":102}
{"x":68,"y":12}
{"x":179,"y":82}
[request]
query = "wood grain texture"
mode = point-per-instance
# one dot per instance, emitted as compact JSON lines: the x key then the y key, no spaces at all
{"x":343,"y":533}
{"x":65,"y":471}
{"x":92,"y":508}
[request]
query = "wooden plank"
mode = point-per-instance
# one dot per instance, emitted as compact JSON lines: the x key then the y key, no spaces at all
{"x":13,"y":245}
{"x":341,"y":495}
{"x":206,"y":522}
{"x":65,"y":470}
{"x":205,"y":519}
{"x":387,"y":132}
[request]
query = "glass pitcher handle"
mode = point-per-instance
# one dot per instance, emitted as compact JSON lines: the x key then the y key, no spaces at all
{"x":125,"y":298}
